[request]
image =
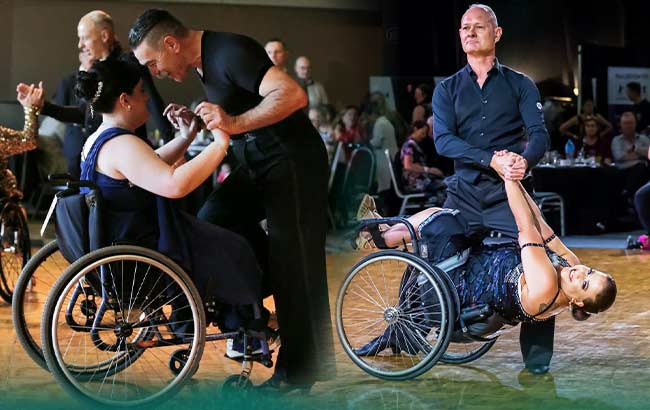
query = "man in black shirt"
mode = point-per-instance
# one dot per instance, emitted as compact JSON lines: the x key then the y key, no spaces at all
{"x":282,"y":175}
{"x":97,"y":40}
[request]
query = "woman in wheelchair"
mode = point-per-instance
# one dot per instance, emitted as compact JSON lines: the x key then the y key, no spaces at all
{"x":534,"y":281}
{"x":137,"y":182}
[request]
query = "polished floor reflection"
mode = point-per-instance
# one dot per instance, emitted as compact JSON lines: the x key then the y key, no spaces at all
{"x":603,"y":363}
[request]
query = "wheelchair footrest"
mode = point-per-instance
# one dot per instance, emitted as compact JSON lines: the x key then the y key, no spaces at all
{"x":264,"y":360}
{"x":476,"y":314}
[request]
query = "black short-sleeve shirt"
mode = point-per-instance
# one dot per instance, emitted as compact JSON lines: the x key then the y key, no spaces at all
{"x":233,"y":68}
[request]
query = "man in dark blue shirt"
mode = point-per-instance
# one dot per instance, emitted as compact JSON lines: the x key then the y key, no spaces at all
{"x":483,"y":108}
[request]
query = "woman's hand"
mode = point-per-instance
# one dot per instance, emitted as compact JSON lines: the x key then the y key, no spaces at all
{"x":30,"y":95}
{"x":221,"y":138}
{"x":177,"y":113}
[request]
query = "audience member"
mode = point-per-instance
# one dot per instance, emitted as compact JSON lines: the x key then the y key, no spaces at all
{"x":416,"y":175}
{"x":592,"y":144}
{"x":382,"y":137}
{"x":318,"y":117}
{"x":641,"y":107}
{"x":575,"y":126}
{"x":346,"y":127}
{"x":422,"y":95}
{"x":277,"y":51}
{"x":315,"y":90}
{"x":629,"y":150}
{"x":642,"y":206}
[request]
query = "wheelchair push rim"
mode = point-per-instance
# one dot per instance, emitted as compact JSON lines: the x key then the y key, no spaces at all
{"x":15,"y":247}
{"x":133,"y":321}
{"x":397,"y":295}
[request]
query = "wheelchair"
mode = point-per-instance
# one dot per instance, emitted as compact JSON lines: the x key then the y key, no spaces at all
{"x":409,"y":310}
{"x":124,"y":325}
{"x":15,"y":245}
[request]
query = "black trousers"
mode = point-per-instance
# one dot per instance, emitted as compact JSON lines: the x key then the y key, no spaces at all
{"x":285,"y":181}
{"x":484,"y":205}
{"x":642,"y":205}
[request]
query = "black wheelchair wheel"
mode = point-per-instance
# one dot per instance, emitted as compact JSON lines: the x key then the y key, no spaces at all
{"x":394,"y":315}
{"x":461,"y":353}
{"x":146,"y":309}
{"x":15,"y":247}
{"x":32,"y":288}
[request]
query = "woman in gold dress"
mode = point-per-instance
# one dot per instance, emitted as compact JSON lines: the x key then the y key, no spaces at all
{"x":14,"y":142}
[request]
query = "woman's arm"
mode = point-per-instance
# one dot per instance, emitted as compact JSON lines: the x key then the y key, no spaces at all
{"x":564,"y":128}
{"x":539,"y":272}
{"x":411,"y":166}
{"x":14,"y":142}
{"x":607,"y":126}
{"x":129,"y":157}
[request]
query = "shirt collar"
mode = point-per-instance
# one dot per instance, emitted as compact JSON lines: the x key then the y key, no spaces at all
{"x":496,"y":68}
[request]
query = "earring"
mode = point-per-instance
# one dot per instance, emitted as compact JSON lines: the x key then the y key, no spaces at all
{"x":128,"y":107}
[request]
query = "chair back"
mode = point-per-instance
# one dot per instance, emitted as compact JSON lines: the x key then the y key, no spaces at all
{"x":360,"y":171}
{"x":393,"y":176}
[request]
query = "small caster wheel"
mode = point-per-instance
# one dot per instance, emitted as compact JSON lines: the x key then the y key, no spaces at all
{"x":235,"y":384}
{"x":177,"y":360}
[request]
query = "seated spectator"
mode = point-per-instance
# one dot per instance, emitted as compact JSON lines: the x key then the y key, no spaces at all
{"x":416,"y":175}
{"x":422,"y":110}
{"x":317,"y":117}
{"x":575,"y":126}
{"x":629,"y":151}
{"x":348,"y":130}
{"x":641,"y":107}
{"x":594,"y":145}
{"x":315,"y":90}
{"x":642,"y":207}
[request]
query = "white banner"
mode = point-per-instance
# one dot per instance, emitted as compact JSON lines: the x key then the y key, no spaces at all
{"x":619,"y":77}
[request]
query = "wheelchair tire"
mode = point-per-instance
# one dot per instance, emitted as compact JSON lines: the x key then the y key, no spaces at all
{"x":32,"y":287}
{"x":140,"y":288}
{"x":461,"y":353}
{"x":15,"y":247}
{"x":390,"y":287}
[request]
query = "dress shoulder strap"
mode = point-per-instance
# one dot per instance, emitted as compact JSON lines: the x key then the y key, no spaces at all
{"x":89,"y":164}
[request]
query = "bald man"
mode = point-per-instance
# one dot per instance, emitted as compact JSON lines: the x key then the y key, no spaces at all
{"x":483,"y":108}
{"x":98,"y":41}
{"x":315,"y":90}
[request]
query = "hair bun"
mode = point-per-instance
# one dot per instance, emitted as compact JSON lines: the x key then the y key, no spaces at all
{"x":579,"y":313}
{"x":87,"y":83}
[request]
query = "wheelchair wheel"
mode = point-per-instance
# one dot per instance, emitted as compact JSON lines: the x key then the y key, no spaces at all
{"x":394,"y":315}
{"x":146,"y":308}
{"x":15,"y":247}
{"x":32,"y":288}
{"x":461,"y":353}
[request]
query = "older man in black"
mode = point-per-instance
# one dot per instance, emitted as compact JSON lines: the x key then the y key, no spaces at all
{"x":483,"y":108}
{"x":282,"y":174}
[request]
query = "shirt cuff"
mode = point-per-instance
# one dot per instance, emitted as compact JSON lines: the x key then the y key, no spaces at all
{"x":485,"y":159}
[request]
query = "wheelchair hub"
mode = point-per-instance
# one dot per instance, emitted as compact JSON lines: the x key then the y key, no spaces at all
{"x":391,"y":315}
{"x":123,"y":330}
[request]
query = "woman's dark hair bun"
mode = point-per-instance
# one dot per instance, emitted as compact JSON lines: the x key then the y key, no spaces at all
{"x":116,"y":75}
{"x":579,"y":313}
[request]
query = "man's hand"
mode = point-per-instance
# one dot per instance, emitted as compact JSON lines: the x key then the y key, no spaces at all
{"x":509,"y":165}
{"x":30,"y":96}
{"x":214,"y":117}
{"x":177,"y":114}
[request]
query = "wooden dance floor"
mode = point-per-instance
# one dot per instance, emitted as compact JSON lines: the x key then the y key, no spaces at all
{"x":603,"y":363}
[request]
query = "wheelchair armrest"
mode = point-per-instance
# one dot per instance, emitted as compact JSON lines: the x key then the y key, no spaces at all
{"x":475,"y":314}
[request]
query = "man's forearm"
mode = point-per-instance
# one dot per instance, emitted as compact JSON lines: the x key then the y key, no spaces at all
{"x":276,"y":106}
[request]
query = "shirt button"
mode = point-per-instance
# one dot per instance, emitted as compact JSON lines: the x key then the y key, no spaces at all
{"x":483,"y":117}
{"x":484,"y":101}
{"x":482,"y":134}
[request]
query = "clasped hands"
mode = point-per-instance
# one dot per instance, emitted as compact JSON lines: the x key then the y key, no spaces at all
{"x":509,"y":165}
{"x":212,"y":116}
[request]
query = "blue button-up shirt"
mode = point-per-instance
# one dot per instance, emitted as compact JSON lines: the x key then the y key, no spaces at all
{"x":471,"y":122}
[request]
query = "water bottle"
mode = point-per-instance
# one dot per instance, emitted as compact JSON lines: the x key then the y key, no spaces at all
{"x":569,"y":149}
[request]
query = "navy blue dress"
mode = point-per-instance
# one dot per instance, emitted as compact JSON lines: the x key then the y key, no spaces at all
{"x":221,"y":263}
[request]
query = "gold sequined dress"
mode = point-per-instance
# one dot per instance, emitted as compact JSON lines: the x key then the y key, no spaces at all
{"x":14,"y":142}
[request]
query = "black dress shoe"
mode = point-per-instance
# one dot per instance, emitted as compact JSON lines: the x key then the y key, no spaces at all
{"x":537,"y":369}
{"x":276,"y":385}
